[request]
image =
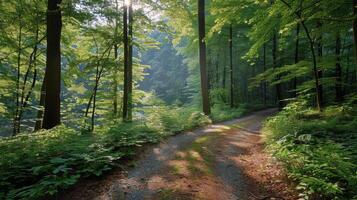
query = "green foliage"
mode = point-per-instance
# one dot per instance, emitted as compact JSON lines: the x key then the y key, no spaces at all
{"x":41,"y":164}
{"x":318,"y":149}
{"x":222,"y":112}
{"x":175,"y":119}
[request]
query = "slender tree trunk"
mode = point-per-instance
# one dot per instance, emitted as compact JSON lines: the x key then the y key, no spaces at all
{"x":296,"y":56}
{"x":16,"y":123}
{"x":115,"y":84}
{"x":52,"y":115}
{"x":338,"y":85}
{"x":25,"y":96}
{"x":231,"y":63}
{"x":130,"y":60}
{"x":115,"y":78}
{"x":320,"y":73}
{"x":354,"y":4}
{"x":203,"y":67}
{"x":40,"y":112}
{"x":312,"y":48}
{"x":275,"y":65}
{"x":264,"y":69}
{"x":217,"y":71}
{"x":224,"y":76}
{"x":126,"y":63}
{"x":97,"y":78}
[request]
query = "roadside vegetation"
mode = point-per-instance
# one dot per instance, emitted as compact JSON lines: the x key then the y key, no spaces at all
{"x":41,"y":164}
{"x":318,"y":149}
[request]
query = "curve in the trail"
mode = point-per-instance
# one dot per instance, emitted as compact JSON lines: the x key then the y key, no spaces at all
{"x":135,"y":185}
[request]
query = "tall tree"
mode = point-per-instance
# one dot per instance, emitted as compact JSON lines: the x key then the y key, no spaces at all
{"x":202,"y":49}
{"x":53,"y":66}
{"x":128,"y":61}
{"x":338,"y":70}
{"x":275,"y":65}
{"x":130,"y":65}
{"x":231,"y":63}
{"x":264,"y":69}
{"x":354,"y":4}
{"x":115,"y":75}
{"x":297,"y":43}
{"x":320,"y":55}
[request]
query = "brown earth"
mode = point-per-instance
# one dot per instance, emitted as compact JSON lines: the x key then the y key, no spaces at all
{"x":225,"y":161}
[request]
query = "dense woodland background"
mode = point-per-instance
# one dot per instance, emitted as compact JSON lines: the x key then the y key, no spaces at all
{"x":105,"y":76}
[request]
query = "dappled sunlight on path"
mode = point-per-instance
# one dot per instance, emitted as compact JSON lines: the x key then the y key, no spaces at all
{"x":217,"y":162}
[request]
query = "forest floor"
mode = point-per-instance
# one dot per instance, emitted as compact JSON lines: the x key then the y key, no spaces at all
{"x":224,"y":161}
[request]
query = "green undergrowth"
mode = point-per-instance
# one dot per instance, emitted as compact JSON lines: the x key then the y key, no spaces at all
{"x":223,"y":112}
{"x":319,"y":150}
{"x":39,"y":165}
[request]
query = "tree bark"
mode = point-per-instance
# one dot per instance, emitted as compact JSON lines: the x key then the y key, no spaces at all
{"x":126,"y":62}
{"x":354,"y":4}
{"x":320,"y":73}
{"x":297,"y":43}
{"x":231,"y":63}
{"x":202,"y":50}
{"x":338,"y":85}
{"x":130,"y":65}
{"x":217,"y":71}
{"x":115,"y":84}
{"x":115,"y":75}
{"x":275,"y":65}
{"x":52,"y":115}
{"x":16,"y":123}
{"x":40,"y":112}
{"x":264,"y":69}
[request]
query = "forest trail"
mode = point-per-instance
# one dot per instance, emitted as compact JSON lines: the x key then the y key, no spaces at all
{"x":224,"y":161}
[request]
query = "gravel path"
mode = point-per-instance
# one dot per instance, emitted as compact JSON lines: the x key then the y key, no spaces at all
{"x":135,"y":186}
{"x":152,"y":176}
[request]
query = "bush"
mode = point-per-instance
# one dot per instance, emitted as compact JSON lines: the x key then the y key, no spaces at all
{"x":222,"y":112}
{"x":318,"y":149}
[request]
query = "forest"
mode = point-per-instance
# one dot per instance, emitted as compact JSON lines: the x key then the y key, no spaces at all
{"x":178,"y":99}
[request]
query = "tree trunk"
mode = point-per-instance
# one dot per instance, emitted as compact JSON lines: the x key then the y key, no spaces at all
{"x":16,"y":123}
{"x":40,"y":112}
{"x":217,"y":72}
{"x":115,"y":75}
{"x":264,"y":69}
{"x":126,"y":63}
{"x":354,"y":4}
{"x":231,"y":63}
{"x":130,"y":73}
{"x":224,"y":76}
{"x":312,"y":48}
{"x":320,"y":73}
{"x":97,"y":78}
{"x":115,"y":85}
{"x":202,"y":47}
{"x":275,"y":65}
{"x":296,"y":56}
{"x":52,"y":113}
{"x":338,"y":85}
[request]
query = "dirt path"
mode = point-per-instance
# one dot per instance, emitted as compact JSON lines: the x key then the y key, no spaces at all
{"x":218,"y":162}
